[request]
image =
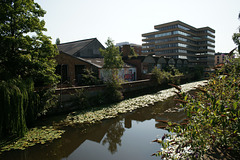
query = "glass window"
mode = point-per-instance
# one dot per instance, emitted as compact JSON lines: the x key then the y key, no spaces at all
{"x":210,"y":43}
{"x":209,"y":37}
{"x":163,"y":34}
{"x":181,"y":33}
{"x":210,"y":32}
{"x":182,"y":27}
{"x":167,"y":28}
{"x":212,"y":48}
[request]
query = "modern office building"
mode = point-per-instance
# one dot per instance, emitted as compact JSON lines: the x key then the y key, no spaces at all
{"x":180,"y":40}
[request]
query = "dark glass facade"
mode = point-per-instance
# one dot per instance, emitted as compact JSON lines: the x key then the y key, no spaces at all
{"x":178,"y":39}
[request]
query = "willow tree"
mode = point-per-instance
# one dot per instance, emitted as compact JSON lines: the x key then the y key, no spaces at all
{"x":26,"y":63}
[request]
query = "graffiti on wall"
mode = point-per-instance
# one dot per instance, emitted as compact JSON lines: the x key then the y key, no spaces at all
{"x":126,"y":74}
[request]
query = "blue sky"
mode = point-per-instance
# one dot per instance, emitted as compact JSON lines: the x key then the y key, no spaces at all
{"x":127,"y":20}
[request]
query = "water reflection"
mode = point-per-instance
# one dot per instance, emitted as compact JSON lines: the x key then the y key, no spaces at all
{"x":111,"y":138}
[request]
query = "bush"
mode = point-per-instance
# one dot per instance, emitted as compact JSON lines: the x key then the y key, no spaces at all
{"x":214,"y":119}
{"x":164,"y":77}
{"x":80,"y":99}
{"x":113,"y":92}
{"x":89,"y":78}
{"x":198,"y":72}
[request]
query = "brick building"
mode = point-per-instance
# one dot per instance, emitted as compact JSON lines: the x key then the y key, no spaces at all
{"x":77,"y":56}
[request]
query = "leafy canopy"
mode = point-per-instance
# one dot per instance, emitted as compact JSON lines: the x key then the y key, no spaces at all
{"x":112,"y":58}
{"x":25,"y":51}
{"x":26,"y":62}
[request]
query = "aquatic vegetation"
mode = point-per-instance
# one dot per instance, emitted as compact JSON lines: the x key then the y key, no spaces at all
{"x":128,"y":105}
{"x":34,"y":136}
{"x":47,"y":134}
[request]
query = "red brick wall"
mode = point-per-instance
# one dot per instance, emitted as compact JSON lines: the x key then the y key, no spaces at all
{"x":70,"y":61}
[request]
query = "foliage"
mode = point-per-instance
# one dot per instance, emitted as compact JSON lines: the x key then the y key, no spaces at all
{"x":132,"y":53}
{"x":33,"y":137}
{"x":113,"y":92}
{"x":128,"y":105}
{"x":236,"y":37}
{"x":26,"y":55}
{"x":198,"y":72}
{"x":89,"y":78}
{"x":173,"y":71}
{"x":214,"y":119}
{"x":112,"y":58}
{"x":163,"y":76}
{"x":22,"y":54}
{"x":57,"y":41}
{"x":14,"y":100}
{"x":81,"y":100}
{"x":112,"y":61}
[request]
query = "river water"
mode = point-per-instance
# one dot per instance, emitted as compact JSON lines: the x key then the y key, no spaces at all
{"x":126,"y":137}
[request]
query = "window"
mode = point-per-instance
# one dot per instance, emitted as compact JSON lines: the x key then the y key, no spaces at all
{"x":79,"y":70}
{"x":209,"y":37}
{"x":62,"y":70}
{"x":167,"y":28}
{"x":163,"y":34}
{"x":182,"y":27}
{"x":181,"y":33}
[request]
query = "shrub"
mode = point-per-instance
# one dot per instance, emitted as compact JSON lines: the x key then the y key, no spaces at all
{"x":164,"y":77}
{"x":214,"y":119}
{"x":89,"y":78}
{"x":80,"y":99}
{"x":113,"y":92}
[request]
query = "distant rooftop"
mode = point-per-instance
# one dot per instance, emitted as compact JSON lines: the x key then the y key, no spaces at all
{"x":72,"y":47}
{"x":127,"y":43}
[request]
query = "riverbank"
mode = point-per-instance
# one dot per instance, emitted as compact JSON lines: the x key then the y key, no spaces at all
{"x":128,"y":105}
{"x":56,"y":127}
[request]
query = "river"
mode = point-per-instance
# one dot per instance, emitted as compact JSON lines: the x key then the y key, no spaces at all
{"x":129,"y":136}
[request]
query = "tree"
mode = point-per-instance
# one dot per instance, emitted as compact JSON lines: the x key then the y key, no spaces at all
{"x":112,"y":58}
{"x":132,"y":53}
{"x":112,"y":62}
{"x":26,"y":57}
{"x":57,"y":41}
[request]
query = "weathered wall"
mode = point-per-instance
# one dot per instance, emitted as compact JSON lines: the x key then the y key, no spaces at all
{"x":70,"y":61}
{"x":125,"y":74}
{"x":137,"y":63}
{"x":95,"y":90}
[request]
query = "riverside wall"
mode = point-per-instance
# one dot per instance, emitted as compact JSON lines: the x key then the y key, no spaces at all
{"x":66,"y":94}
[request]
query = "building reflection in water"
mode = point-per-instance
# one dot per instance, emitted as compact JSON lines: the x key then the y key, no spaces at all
{"x":108,"y":133}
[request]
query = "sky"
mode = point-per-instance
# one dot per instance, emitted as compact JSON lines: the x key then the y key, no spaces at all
{"x":127,"y":20}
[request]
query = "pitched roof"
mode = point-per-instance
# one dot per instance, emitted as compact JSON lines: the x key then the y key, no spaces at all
{"x":99,"y":62}
{"x":72,"y":47}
